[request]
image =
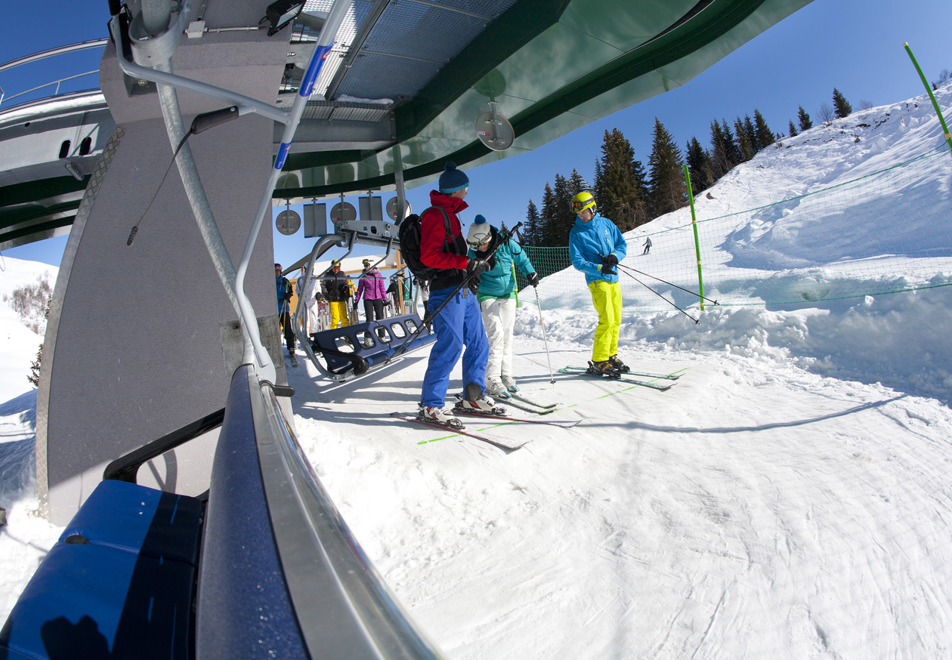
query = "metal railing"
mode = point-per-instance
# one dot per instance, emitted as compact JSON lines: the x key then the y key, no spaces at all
{"x":48,"y":54}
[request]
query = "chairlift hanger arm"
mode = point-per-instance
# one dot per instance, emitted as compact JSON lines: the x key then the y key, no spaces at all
{"x":245,"y":104}
{"x":380,"y":233}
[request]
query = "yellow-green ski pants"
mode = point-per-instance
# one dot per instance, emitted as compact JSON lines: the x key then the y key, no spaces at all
{"x":606,"y":296}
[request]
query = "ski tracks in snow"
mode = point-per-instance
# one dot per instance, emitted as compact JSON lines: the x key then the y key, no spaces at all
{"x":753,"y":510}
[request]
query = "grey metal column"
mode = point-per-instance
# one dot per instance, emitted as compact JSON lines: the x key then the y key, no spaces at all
{"x":143,"y":339}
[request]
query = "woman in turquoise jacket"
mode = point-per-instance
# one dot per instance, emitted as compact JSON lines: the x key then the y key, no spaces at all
{"x":595,"y":247}
{"x":497,"y":301}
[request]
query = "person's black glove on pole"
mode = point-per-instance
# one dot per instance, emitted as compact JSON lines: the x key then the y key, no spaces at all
{"x":476,"y":267}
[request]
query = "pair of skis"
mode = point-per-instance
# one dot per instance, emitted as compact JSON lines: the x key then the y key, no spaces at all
{"x":658,"y":381}
{"x":503,"y":442}
{"x":519,"y":400}
{"x":498,"y":415}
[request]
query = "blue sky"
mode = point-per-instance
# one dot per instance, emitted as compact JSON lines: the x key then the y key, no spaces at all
{"x":855,"y":46}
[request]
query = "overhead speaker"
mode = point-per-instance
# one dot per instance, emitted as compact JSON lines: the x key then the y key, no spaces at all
{"x":392,"y":207}
{"x":288,"y":222}
{"x":343,"y":212}
{"x":494,"y":130}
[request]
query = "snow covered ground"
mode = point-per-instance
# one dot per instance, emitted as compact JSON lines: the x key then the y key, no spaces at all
{"x":788,"y":497}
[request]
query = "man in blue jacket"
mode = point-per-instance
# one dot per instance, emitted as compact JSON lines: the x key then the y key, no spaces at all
{"x":284,"y":292}
{"x":497,"y":300}
{"x":595,"y":247}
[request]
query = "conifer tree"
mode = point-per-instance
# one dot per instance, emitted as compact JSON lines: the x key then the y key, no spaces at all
{"x":841,"y":105}
{"x":562,"y":218}
{"x":620,"y":188}
{"x":751,"y":132}
{"x":733,"y":151}
{"x":792,"y":130}
{"x":640,"y":206}
{"x":699,"y":166}
{"x":764,"y":136}
{"x":724,"y":151}
{"x":544,"y":236}
{"x":531,"y":230}
{"x":667,"y":191}
{"x":804,"y":119}
{"x":744,"y":141}
{"x":720,"y":163}
{"x":577,"y":183}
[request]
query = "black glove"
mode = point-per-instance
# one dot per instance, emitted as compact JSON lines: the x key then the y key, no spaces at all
{"x":533,"y":279}
{"x":476,"y":267}
{"x":611,"y":260}
{"x":608,"y":270}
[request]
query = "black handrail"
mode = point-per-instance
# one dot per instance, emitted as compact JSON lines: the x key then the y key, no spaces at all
{"x":125,"y":467}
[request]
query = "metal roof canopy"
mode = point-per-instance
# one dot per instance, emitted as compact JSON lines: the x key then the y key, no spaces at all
{"x":552,"y":66}
{"x":405,"y":82}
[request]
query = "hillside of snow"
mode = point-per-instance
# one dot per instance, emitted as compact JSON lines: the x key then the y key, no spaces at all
{"x":787,"y":497}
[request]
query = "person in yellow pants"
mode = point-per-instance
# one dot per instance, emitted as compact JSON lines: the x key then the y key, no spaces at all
{"x":606,"y":296}
{"x":336,"y":288}
{"x":595,"y":247}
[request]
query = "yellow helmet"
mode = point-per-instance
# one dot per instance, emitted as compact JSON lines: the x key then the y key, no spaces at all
{"x":583,"y":200}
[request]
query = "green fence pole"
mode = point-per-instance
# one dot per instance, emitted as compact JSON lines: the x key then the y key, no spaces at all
{"x":515,"y":286}
{"x":935,"y":104}
{"x":697,"y":242}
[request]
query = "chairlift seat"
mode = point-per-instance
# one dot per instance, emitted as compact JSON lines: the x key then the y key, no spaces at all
{"x":372,"y":341}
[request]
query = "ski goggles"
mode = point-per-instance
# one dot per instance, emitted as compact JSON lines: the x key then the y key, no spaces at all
{"x":479,"y":238}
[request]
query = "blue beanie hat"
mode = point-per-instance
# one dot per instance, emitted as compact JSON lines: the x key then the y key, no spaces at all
{"x":452,"y":179}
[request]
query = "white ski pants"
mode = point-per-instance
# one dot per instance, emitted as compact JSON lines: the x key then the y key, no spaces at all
{"x":499,"y":317}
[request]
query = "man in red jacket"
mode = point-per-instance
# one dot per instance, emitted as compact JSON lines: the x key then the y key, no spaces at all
{"x":459,"y":324}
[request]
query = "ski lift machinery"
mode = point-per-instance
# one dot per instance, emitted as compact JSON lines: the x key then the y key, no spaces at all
{"x":349,"y":230}
{"x":495,"y":132}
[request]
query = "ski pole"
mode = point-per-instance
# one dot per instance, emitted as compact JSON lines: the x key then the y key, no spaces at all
{"x":544,"y":340}
{"x":696,"y":321}
{"x":434,"y":313}
{"x":668,"y":283}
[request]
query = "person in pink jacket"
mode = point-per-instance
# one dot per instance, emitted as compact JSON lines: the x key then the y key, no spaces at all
{"x":373,"y":288}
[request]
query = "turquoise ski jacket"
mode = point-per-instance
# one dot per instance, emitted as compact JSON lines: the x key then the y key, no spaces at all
{"x":499,"y":281}
{"x":590,"y":240}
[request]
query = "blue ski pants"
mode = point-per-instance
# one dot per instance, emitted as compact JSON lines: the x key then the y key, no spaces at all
{"x":458,"y":325}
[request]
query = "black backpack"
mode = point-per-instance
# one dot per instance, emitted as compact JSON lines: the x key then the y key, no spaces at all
{"x":409,"y":235}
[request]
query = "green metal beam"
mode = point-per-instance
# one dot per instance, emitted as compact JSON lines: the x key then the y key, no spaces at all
{"x":677,"y":42}
{"x":505,"y":36}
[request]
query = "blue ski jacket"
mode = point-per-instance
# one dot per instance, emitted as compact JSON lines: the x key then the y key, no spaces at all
{"x":283,"y":289}
{"x":590,"y":240}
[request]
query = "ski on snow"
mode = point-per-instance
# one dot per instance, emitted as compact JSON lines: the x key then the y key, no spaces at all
{"x":518,"y":397}
{"x":564,"y":423}
{"x":624,"y":377}
{"x":516,"y":400}
{"x":647,"y":374}
{"x":508,"y":444}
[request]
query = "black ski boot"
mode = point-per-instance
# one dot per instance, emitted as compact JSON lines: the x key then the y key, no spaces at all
{"x":603,"y":368}
{"x":618,"y":364}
